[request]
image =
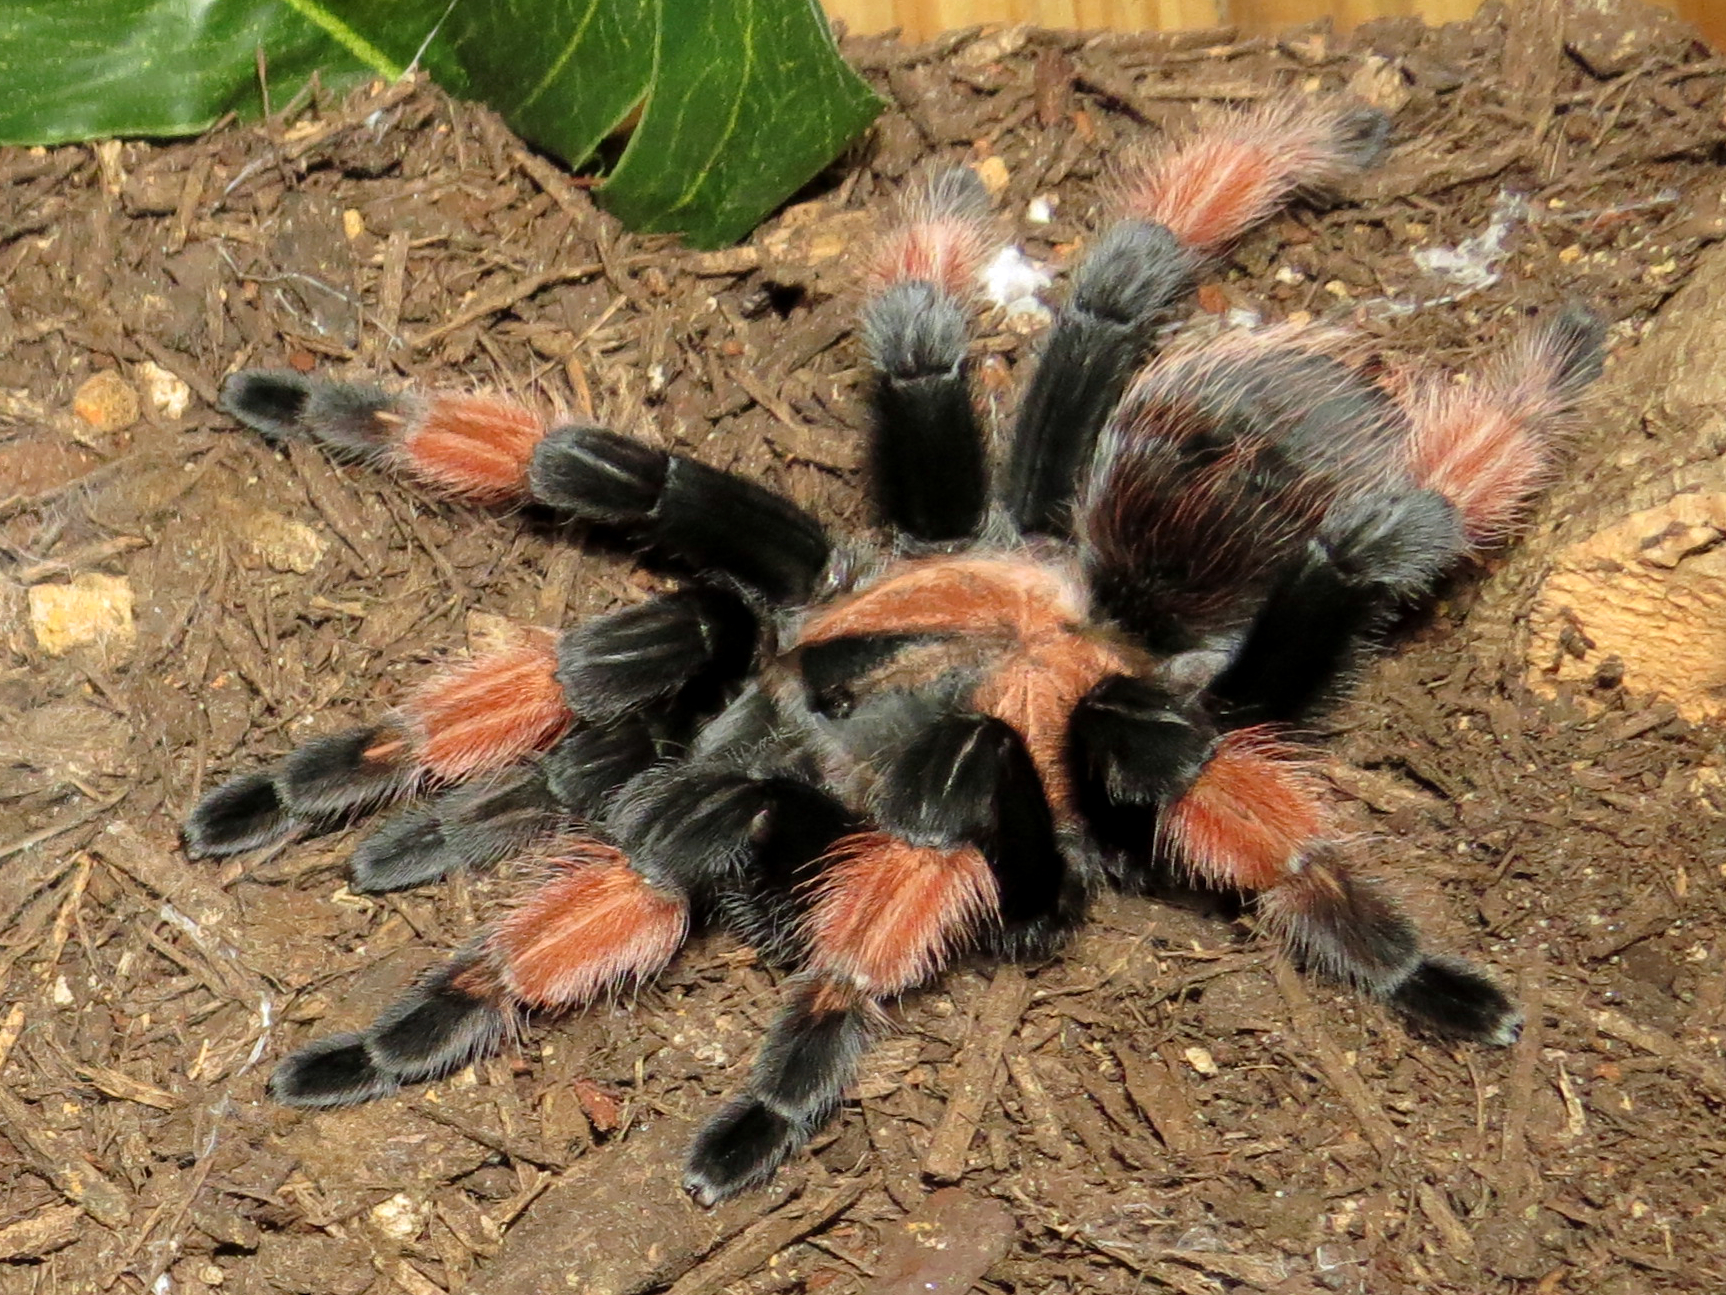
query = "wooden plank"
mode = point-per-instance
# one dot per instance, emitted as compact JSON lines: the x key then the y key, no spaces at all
{"x":921,"y":19}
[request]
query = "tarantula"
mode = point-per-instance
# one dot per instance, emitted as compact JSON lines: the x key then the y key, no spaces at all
{"x":1073,"y":668}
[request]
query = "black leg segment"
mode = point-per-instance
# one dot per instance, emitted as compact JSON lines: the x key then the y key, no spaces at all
{"x":704,"y":518}
{"x":926,"y":449}
{"x":1120,"y":291}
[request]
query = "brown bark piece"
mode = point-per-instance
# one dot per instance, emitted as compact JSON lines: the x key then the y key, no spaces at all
{"x":997,"y":1017}
{"x":1636,"y":581}
{"x":946,"y":1244}
{"x":1641,"y":601}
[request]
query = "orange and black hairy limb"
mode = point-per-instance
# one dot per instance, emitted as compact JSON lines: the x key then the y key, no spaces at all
{"x":1082,"y":651}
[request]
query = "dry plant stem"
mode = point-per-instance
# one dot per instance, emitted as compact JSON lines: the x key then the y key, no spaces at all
{"x":748,"y":1252}
{"x":1375,"y":1126}
{"x":997,"y":1017}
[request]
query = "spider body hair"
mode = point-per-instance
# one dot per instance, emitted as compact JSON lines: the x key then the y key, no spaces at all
{"x":926,"y":446}
{"x":1084,"y":666}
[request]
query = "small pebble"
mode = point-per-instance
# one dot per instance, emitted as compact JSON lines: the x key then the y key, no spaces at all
{"x":106,"y":401}
{"x":92,"y":609}
{"x":1201,"y":1060}
{"x":167,"y":394}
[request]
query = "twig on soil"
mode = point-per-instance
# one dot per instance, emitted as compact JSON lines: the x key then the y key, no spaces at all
{"x":758,"y":1244}
{"x":553,"y":182}
{"x":189,"y":374}
{"x":1178,"y":1275}
{"x":980,"y":1059}
{"x":1531,"y":993}
{"x":1136,"y":100}
{"x":1046,"y":1128}
{"x":511,"y":294}
{"x":514,"y":1148}
{"x":1374,"y":1124}
{"x":324,"y":131}
{"x":1656,"y":1042}
{"x":73,"y":1176}
{"x":89,"y":555}
{"x":63,"y":919}
{"x":53,"y":830}
{"x":1456,"y":1237}
{"x":10,"y":1029}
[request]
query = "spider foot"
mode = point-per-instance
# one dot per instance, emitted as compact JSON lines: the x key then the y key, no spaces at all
{"x":334,"y":1071}
{"x":740,"y":1148}
{"x":242,"y":814}
{"x":1449,"y":997}
{"x":810,"y":1055}
{"x":450,"y":1017}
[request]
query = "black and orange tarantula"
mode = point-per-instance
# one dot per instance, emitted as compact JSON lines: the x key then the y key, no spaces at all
{"x":1058,"y":672}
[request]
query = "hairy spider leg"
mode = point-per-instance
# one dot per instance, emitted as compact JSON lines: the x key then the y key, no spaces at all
{"x":474,"y":827}
{"x":1236,"y":168}
{"x":491,"y":451}
{"x":1488,"y":445}
{"x":638,"y":679}
{"x":601,"y":913}
{"x":591,"y":923}
{"x":1134,"y":746}
{"x":708,"y":520}
{"x":474,"y":447}
{"x":1254,"y":820}
{"x":927,"y":466}
{"x":678,"y":651}
{"x":1467,"y":459}
{"x":1180,"y":205}
{"x":1122,"y":288}
{"x":481,"y":716}
{"x":964,"y":841}
{"x":1373,"y":554}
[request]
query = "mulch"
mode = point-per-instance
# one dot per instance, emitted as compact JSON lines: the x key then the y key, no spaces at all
{"x":1163,"y":1106}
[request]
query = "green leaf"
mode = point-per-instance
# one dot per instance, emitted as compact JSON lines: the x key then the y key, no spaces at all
{"x":81,"y":69}
{"x":750,"y":99}
{"x":741,"y":101}
{"x":563,"y":73}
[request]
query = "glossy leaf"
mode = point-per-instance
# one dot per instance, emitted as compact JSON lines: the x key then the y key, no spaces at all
{"x":82,"y":69}
{"x":740,"y":101}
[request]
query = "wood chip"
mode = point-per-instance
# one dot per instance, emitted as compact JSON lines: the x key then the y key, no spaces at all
{"x":56,"y":1159}
{"x":114,"y":1084}
{"x":40,"y":1234}
{"x":997,"y":1017}
{"x":1161,"y":1098}
{"x":767,"y":1238}
{"x":1375,"y":1125}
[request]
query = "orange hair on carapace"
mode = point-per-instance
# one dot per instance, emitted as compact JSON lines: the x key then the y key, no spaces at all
{"x":975,"y":595}
{"x":1035,"y":690}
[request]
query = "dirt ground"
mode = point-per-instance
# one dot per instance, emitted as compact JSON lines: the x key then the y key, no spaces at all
{"x":1161,"y":1107}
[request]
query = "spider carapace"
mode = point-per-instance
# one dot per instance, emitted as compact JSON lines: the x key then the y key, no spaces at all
{"x":1066,"y":665}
